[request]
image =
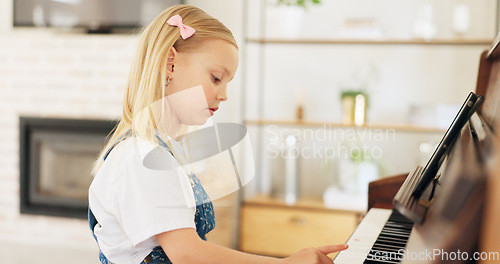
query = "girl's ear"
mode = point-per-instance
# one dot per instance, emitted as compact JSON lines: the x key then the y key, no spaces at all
{"x":172,"y":55}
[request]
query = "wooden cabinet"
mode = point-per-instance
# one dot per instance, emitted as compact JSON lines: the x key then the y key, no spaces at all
{"x":270,"y":227}
{"x":226,"y":221}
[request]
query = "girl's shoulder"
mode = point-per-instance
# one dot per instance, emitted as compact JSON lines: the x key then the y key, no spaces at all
{"x":138,"y":152}
{"x":136,"y":158}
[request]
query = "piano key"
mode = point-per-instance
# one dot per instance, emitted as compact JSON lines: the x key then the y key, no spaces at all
{"x":388,"y":246}
{"x":392,"y":239}
{"x":364,"y":237}
{"x":380,"y":261}
{"x":393,"y":235}
{"x":389,"y":243}
{"x":395,"y":232}
{"x":378,"y":245}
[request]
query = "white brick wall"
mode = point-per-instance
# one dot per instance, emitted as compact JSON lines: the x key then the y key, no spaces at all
{"x":53,"y":74}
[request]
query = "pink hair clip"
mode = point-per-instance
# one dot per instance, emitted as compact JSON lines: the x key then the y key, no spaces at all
{"x":186,"y":31}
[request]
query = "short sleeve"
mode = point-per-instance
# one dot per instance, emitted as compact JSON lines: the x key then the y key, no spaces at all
{"x":153,"y":201}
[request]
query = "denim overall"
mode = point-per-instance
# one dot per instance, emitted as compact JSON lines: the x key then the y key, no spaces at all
{"x":204,"y":217}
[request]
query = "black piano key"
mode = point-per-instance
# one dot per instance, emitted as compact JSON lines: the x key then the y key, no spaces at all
{"x":379,"y":255}
{"x":390,"y":232}
{"x":394,"y":239}
{"x":404,"y":228}
{"x":391,"y":242}
{"x":388,"y":244}
{"x":394,"y":251}
{"x":395,"y":235}
{"x":378,"y":261}
{"x":400,"y":227}
{"x":380,"y":246}
{"x":382,"y":259}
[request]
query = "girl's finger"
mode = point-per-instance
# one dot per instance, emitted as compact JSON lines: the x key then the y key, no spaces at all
{"x":332,"y":248}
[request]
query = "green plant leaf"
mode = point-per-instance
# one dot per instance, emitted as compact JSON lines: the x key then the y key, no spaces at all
{"x":301,"y":3}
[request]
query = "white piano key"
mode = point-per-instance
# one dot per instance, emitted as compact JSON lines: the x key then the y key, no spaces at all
{"x":364,"y":237}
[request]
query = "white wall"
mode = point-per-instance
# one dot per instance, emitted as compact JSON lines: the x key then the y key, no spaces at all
{"x":53,"y":75}
{"x":396,"y":18}
{"x":414,"y":74}
{"x":5,"y":16}
{"x":230,"y":13}
{"x":401,"y":76}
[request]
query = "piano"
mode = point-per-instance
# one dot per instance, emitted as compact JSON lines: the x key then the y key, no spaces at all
{"x":456,"y":218}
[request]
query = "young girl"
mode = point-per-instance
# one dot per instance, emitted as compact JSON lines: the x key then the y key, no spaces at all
{"x":144,"y":207}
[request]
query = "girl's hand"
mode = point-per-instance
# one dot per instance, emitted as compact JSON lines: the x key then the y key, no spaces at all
{"x":316,"y":255}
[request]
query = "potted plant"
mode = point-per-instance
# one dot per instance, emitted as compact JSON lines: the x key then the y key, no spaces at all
{"x":354,"y":105}
{"x":285,"y":18}
{"x":301,"y":3}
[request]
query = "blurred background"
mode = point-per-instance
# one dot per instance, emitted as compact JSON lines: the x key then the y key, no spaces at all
{"x":334,"y":94}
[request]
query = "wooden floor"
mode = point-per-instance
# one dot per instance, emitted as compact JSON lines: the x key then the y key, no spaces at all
{"x":30,"y":253}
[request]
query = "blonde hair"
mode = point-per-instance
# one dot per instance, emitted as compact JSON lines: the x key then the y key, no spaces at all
{"x":147,"y":77}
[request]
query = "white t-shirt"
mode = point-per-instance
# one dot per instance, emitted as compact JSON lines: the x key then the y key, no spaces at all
{"x":133,"y":201}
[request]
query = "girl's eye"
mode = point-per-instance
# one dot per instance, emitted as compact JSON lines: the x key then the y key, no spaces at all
{"x":217,"y":80}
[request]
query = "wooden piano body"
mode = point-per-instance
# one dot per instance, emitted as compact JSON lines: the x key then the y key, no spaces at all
{"x":464,"y":215}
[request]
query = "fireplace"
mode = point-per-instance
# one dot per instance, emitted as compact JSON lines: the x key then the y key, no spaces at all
{"x":56,"y":157}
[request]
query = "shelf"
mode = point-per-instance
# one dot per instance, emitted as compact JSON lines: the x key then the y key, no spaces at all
{"x":326,"y":125}
{"x":304,"y":203}
{"x":374,"y":41}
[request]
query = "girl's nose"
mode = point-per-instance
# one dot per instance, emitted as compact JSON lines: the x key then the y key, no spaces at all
{"x":222,"y":96}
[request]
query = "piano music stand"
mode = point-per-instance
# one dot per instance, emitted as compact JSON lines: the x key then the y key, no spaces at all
{"x":417,"y":192}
